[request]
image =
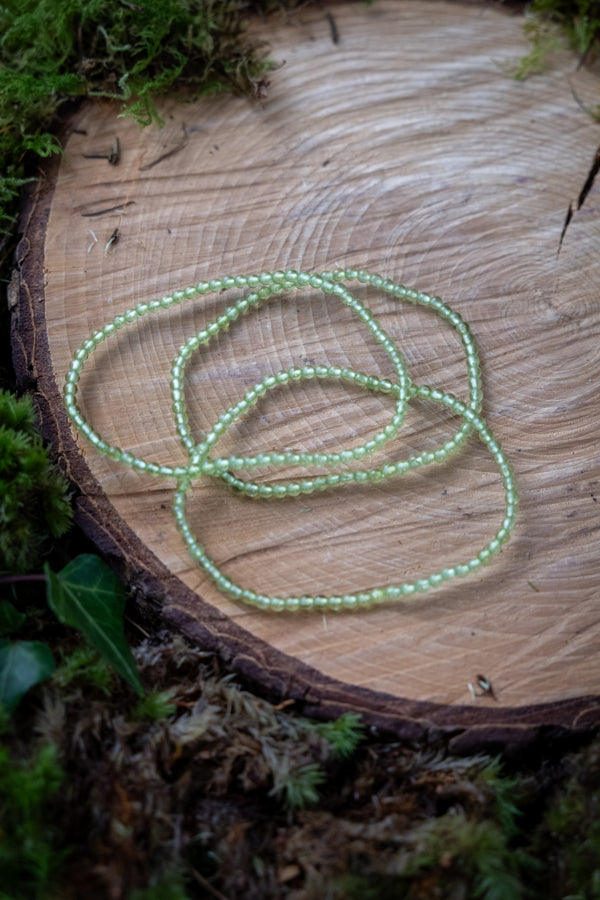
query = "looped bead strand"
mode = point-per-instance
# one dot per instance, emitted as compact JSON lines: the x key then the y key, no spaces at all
{"x":259,"y":289}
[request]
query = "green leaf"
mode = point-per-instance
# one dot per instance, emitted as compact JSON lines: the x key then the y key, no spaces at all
{"x":22,"y":664}
{"x":10,"y":618}
{"x":87,"y":595}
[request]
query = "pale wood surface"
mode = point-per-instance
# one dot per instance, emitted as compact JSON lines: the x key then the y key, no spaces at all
{"x":405,"y":149}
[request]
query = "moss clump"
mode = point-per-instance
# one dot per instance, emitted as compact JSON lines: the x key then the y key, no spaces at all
{"x":230,"y":796}
{"x":84,"y":666}
{"x":570,"y":836}
{"x":458,"y":851}
{"x":550,"y":22}
{"x":29,"y":858}
{"x":34,"y":496}
{"x":343,"y":735}
{"x":55,"y":50}
{"x":156,"y":705}
{"x":580,"y":19}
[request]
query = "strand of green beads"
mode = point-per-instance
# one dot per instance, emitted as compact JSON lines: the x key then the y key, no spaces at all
{"x":224,"y":465}
{"x":81,"y":356}
{"x":378,"y":594}
{"x":328,"y":282}
{"x":284,"y":281}
{"x":261,"y":288}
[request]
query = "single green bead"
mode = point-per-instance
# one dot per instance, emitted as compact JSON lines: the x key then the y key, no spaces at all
{"x":422,"y":584}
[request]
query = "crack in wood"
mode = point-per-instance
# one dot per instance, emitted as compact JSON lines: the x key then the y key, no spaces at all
{"x":100,"y":212}
{"x":589,"y":181}
{"x":587,"y":186}
{"x":568,"y":218}
{"x":168,"y":153}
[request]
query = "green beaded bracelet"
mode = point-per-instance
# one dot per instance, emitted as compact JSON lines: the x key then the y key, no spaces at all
{"x":260,"y":289}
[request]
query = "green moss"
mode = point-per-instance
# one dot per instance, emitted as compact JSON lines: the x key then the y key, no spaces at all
{"x":545,"y":39}
{"x":550,"y":23}
{"x":467,"y":852}
{"x":299,"y":786}
{"x":572,"y":840}
{"x":156,"y":705}
{"x":343,"y":734}
{"x":55,"y":50}
{"x":84,"y":667}
{"x":34,"y":496}
{"x":507,"y":791}
{"x":580,"y":20}
{"x":29,"y":858}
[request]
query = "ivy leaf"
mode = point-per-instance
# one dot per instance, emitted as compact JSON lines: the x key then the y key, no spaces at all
{"x":87,"y":595}
{"x":10,"y":618}
{"x":22,"y":664}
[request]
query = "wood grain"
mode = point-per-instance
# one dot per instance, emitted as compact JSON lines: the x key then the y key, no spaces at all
{"x":405,"y":149}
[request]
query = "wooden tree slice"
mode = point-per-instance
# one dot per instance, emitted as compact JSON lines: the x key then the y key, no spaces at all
{"x":408,"y":150}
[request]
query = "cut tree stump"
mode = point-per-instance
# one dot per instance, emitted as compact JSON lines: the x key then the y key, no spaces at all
{"x":405,"y":149}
